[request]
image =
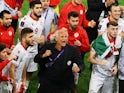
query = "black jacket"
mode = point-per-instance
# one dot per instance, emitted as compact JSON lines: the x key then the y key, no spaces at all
{"x":60,"y":73}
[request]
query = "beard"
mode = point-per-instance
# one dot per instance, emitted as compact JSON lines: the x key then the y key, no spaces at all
{"x":7,"y":25}
{"x":73,"y":27}
{"x":29,"y":44}
{"x":38,"y":16}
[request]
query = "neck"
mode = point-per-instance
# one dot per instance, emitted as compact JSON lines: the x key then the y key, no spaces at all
{"x":72,"y":29}
{"x":110,"y":37}
{"x":74,"y":3}
{"x":112,"y":19}
{"x":24,"y":45}
{"x":58,"y":47}
{"x":34,"y":17}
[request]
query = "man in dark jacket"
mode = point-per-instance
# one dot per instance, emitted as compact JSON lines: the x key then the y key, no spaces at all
{"x":57,"y":62}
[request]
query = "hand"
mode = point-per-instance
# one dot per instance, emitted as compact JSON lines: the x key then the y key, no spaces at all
{"x":12,"y":47}
{"x":114,"y":70}
{"x":24,"y":84}
{"x":92,"y":24}
{"x":8,"y":50}
{"x":109,"y":2}
{"x":11,"y":80}
{"x":11,"y":57}
{"x":47,"y":53}
{"x":40,"y":40}
{"x":14,"y":90}
{"x":121,"y":34}
{"x":103,"y":62}
{"x":75,"y":68}
{"x":37,"y":40}
{"x":77,"y":43}
{"x":19,"y":13}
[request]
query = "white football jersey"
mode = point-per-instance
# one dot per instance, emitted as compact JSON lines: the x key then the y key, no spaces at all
{"x":103,"y":25}
{"x":20,"y":52}
{"x":36,"y":25}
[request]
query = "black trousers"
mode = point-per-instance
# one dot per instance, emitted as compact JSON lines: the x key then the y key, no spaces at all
{"x":121,"y":86}
{"x":48,"y":89}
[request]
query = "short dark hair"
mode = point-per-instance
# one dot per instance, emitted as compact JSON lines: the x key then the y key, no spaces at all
{"x":73,"y":14}
{"x":34,"y":2}
{"x":2,"y":47}
{"x":26,"y":31}
{"x":4,"y":12}
{"x":113,"y":23}
{"x":110,"y":7}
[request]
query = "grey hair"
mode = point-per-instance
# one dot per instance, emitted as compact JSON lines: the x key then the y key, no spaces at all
{"x":53,"y":36}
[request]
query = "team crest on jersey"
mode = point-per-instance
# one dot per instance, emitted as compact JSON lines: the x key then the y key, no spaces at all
{"x":76,"y":35}
{"x":81,"y":12}
{"x":22,"y":23}
{"x":10,"y":33}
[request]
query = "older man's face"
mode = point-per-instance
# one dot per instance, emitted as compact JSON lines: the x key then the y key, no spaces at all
{"x":62,"y":38}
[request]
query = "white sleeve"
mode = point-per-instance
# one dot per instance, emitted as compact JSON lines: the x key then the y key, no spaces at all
{"x":102,"y":26}
{"x":17,"y":60}
{"x":23,"y":23}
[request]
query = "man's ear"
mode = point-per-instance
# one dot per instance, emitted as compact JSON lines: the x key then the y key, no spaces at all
{"x":23,"y":39}
{"x":31,"y":9}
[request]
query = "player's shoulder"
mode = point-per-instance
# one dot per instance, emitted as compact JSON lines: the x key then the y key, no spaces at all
{"x":18,"y":49}
{"x":19,"y":46}
{"x":25,"y":18}
{"x":24,"y":21}
{"x":104,"y":21}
